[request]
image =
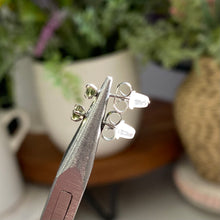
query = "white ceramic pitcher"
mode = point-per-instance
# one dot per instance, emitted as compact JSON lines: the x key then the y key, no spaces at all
{"x":11,"y":184}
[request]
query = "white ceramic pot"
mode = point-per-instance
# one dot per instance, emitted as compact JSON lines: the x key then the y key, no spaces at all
{"x":24,"y":93}
{"x":56,"y":109}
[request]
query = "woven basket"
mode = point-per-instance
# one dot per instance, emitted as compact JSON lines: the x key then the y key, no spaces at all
{"x":197,"y":115}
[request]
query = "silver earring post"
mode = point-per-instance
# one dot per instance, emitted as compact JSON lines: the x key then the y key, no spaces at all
{"x":114,"y":126}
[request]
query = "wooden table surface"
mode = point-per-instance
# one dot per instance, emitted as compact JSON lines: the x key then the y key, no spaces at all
{"x":156,"y":144}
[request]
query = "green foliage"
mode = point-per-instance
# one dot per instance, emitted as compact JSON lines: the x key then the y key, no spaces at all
{"x":20,"y":24}
{"x":168,"y":32}
{"x":95,"y":26}
{"x":56,"y":73}
{"x":90,"y":28}
{"x":191,"y":30}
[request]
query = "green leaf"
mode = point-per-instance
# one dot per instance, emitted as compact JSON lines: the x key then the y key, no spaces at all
{"x":207,"y":14}
{"x":29,"y":12}
{"x":217,"y":11}
{"x":68,"y":82}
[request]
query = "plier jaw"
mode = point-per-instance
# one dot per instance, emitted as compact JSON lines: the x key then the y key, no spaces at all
{"x":75,"y":169}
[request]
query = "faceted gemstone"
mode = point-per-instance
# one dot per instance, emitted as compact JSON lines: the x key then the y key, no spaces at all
{"x":78,"y":113}
{"x":79,"y":109}
{"x":91,"y":91}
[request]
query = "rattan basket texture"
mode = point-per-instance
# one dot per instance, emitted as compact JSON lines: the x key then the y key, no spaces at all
{"x":197,"y":116}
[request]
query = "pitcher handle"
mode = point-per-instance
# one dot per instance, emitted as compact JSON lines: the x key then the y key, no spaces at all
{"x":16,"y":139}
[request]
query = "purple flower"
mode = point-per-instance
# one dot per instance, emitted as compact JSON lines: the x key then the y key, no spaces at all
{"x":47,"y":32}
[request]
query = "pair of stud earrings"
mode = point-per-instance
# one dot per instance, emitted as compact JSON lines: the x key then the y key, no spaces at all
{"x":114,"y":126}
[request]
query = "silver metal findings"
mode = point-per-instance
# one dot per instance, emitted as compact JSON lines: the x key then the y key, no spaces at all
{"x":126,"y":98}
{"x":113,"y":125}
{"x":116,"y":128}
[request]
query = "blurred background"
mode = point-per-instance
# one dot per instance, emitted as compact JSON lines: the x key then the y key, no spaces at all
{"x":167,"y":49}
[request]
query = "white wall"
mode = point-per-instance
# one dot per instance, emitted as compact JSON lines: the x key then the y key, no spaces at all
{"x":157,"y":82}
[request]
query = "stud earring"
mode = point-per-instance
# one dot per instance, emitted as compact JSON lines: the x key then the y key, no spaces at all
{"x":126,"y":98}
{"x":115,"y":127}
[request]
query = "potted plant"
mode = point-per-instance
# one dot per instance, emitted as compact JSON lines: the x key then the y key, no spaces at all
{"x":191,"y":34}
{"x":75,"y":43}
{"x":12,"y":45}
{"x":16,"y":40}
{"x":197,"y":107}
